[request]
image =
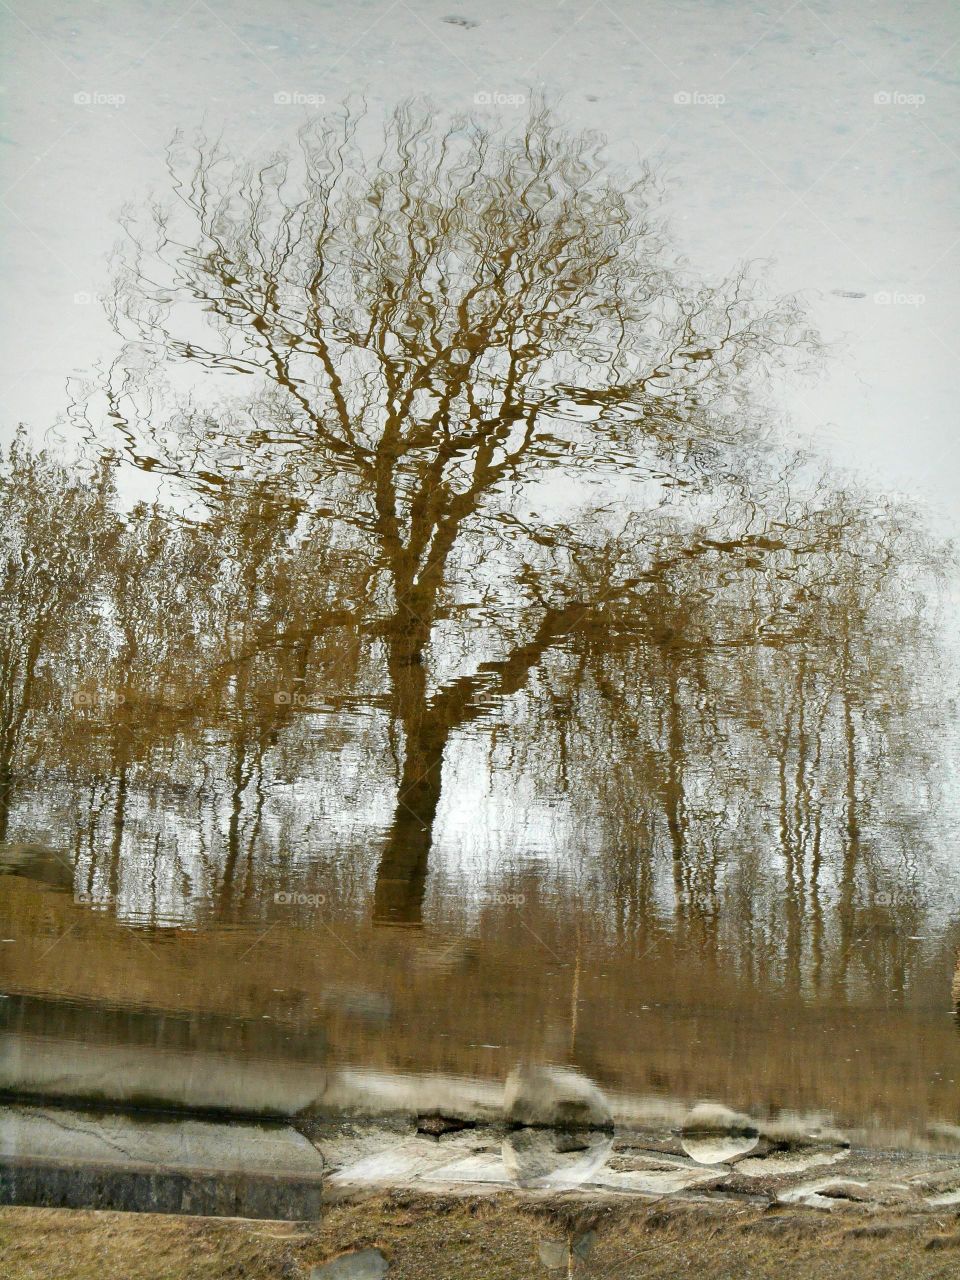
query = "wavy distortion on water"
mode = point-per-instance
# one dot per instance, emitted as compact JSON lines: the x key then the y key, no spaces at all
{"x":489,"y":605}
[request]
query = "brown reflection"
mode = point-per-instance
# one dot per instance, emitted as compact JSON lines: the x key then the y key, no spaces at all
{"x":393,"y":548}
{"x":431,"y":331}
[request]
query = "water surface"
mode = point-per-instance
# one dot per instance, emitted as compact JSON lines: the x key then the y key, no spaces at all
{"x":487,"y":676}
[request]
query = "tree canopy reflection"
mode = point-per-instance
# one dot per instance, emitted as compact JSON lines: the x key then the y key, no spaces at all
{"x":496,"y":473}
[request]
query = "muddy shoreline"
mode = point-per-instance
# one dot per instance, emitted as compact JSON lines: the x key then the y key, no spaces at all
{"x":498,"y":1237}
{"x":68,"y":1156}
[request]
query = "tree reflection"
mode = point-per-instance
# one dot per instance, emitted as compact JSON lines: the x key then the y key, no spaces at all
{"x":452,"y":346}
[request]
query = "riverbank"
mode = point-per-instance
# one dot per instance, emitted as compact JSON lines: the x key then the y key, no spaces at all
{"x":497,"y":1237}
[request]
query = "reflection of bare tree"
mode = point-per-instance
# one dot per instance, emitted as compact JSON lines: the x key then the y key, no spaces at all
{"x":430,"y":330}
{"x":446,"y":345}
{"x":732,"y":716}
{"x":763,"y":694}
{"x":56,"y":532}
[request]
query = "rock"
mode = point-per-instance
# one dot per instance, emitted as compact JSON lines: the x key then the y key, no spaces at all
{"x":557,"y":1254}
{"x":660,"y":1183}
{"x":555,"y":1156}
{"x":829,"y":1191}
{"x":713,"y":1134}
{"x":435,"y":1126}
{"x":781,"y":1163}
{"x":847,"y":1189}
{"x":366,"y":1264}
{"x":713,"y":1118}
{"x":642,"y":1162}
{"x":717,"y":1149}
{"x":150,"y":1163}
{"x":874,"y":1192}
{"x":583,"y":1244}
{"x":553,"y":1254}
{"x":555,"y":1098}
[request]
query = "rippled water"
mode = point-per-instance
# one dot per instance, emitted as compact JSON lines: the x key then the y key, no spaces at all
{"x":491,"y":681}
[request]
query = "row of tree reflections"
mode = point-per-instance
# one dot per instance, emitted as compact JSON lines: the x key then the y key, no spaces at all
{"x":493,"y":477}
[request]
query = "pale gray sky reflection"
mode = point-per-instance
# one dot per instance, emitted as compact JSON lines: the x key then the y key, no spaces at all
{"x":821,"y":136}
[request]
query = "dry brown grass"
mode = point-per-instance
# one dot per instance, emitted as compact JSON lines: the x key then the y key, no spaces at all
{"x":663,"y":1027}
{"x":449,"y":1238}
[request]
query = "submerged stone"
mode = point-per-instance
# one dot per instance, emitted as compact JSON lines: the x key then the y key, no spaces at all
{"x":556,"y":1254}
{"x":553,"y":1254}
{"x":537,"y":1156}
{"x":713,"y":1134}
{"x":554,"y":1097}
